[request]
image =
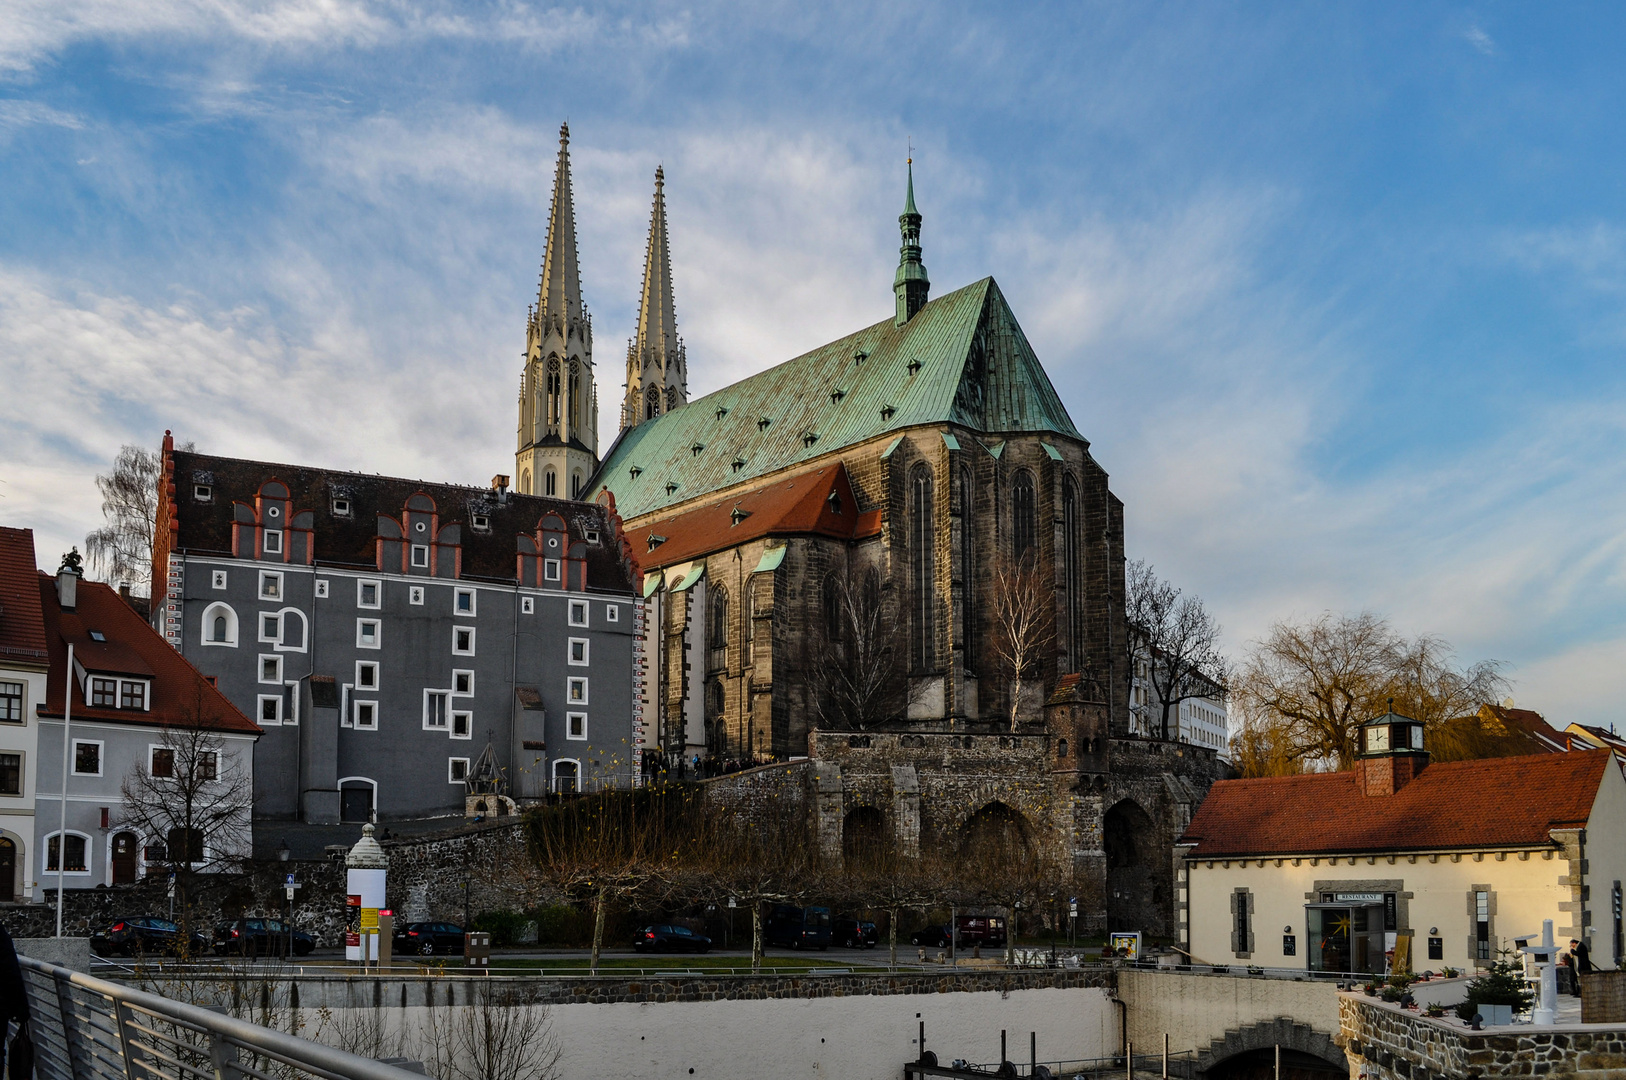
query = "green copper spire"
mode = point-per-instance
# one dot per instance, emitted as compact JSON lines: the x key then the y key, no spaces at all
{"x":911,"y":285}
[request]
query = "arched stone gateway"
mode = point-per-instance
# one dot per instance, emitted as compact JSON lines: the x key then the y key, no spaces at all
{"x":864,"y":836}
{"x":994,"y":831}
{"x":1137,"y":868}
{"x":1250,"y":1054}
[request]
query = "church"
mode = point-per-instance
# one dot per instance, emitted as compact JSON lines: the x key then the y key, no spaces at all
{"x":826,"y":553}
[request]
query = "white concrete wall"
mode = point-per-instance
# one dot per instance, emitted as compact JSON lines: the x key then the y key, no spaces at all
{"x":1194,"y":1010}
{"x":845,"y":1038}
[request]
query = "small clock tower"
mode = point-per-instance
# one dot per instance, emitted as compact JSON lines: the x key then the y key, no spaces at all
{"x":1391,"y":753}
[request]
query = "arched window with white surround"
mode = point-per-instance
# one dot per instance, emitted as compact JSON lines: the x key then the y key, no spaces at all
{"x":78,"y":854}
{"x":293,"y":630}
{"x":567,"y":776}
{"x":219,"y":625}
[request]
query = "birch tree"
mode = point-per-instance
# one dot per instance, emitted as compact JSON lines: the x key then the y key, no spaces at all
{"x":1023,"y":617}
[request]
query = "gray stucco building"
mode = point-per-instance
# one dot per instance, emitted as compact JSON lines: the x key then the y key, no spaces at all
{"x":399,"y":642}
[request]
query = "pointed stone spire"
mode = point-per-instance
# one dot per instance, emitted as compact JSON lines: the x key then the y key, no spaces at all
{"x":911,"y":285}
{"x":560,"y":293}
{"x":655,"y":358}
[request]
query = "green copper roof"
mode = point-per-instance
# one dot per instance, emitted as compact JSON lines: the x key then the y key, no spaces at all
{"x":909,"y":201}
{"x":962,"y":360}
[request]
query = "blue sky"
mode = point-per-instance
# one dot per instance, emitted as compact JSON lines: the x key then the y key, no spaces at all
{"x":1335,"y":292}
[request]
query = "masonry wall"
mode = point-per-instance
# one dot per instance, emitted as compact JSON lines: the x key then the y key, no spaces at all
{"x":1198,"y":1010}
{"x":1386,"y":1043}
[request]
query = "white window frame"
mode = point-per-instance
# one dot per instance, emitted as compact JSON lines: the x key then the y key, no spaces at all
{"x":570,"y":690}
{"x":146,"y":693}
{"x":550,"y":569}
{"x":527,"y":605}
{"x":570,"y":651}
{"x":447,"y":695}
{"x":152,"y":750}
{"x":451,"y":769}
{"x":612,"y":613}
{"x":462,"y":693}
{"x":378,"y":594}
{"x":582,"y":608}
{"x":259,"y":670}
{"x":468,"y":724}
{"x":321,"y":588}
{"x":356,"y":709}
{"x":570,"y":722}
{"x":273,"y":542}
{"x":217,"y":608}
{"x":259,"y":710}
{"x":469,"y":630}
{"x":420,"y":556}
{"x":378,"y":634}
{"x":22,"y":772}
{"x":260,"y":626}
{"x":101,"y":757}
{"x":203,"y":493}
{"x":341,"y":506}
{"x":217,"y":579}
{"x":362,"y":684}
{"x":273,"y":577}
{"x":283,"y":616}
{"x":415,"y":595}
{"x":474,"y":601}
{"x":45,"y":854}
{"x":554,"y":777}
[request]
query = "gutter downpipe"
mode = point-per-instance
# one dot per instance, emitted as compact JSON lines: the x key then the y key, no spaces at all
{"x":62,"y":795}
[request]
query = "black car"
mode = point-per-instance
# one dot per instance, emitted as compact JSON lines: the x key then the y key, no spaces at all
{"x":146,"y":935}
{"x":933,"y":937}
{"x":852,"y":933}
{"x":664,"y":938}
{"x":260,"y":937}
{"x":428,"y":938}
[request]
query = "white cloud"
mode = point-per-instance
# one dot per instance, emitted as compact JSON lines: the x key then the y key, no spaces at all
{"x":1480,"y":40}
{"x":17,"y":113}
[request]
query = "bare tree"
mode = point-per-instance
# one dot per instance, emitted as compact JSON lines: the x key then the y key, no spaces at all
{"x":1176,"y":638}
{"x":505,"y":1032}
{"x":121,"y":550}
{"x":1307,"y":688}
{"x":862,"y":681}
{"x":193,"y":802}
{"x":1023,"y":615}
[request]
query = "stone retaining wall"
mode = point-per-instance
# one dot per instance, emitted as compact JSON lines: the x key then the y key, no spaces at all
{"x":1384,"y":1041}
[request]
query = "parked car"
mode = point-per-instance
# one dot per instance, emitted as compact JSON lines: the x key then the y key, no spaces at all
{"x":428,"y":938}
{"x":662,"y":937}
{"x":852,"y":933}
{"x":932,"y":937}
{"x":260,"y":937}
{"x":987,"y":930}
{"x":798,"y":928}
{"x":145,"y":935}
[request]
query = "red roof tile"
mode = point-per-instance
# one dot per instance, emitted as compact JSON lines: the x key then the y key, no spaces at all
{"x":22,"y":625}
{"x":1543,"y":736}
{"x":181,"y":696}
{"x":797,"y":505}
{"x":1494,"y":802}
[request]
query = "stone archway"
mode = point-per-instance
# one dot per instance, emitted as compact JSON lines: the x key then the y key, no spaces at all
{"x":1250,"y":1053}
{"x":1137,"y":873}
{"x":864,"y":837}
{"x":996,"y":830}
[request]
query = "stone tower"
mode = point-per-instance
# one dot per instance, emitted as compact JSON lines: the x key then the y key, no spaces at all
{"x":657,"y":371}
{"x":558,"y":400}
{"x":911,"y":285}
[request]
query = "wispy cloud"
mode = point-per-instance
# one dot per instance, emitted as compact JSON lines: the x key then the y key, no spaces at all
{"x":1480,"y":40}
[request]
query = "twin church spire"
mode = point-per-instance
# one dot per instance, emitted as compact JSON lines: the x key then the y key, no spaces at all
{"x":558,"y":403}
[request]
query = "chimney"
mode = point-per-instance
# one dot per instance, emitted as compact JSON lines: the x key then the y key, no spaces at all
{"x":499,"y":484}
{"x":67,"y":579}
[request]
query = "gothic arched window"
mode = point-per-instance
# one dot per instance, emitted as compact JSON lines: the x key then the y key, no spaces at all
{"x":652,"y":404}
{"x":550,"y":481}
{"x":1071,"y":570}
{"x":1024,"y":519}
{"x":968,"y":572}
{"x":671,"y":398}
{"x":553,"y":392}
{"x":833,"y":608}
{"x":924,"y":592}
{"x":717,"y":632}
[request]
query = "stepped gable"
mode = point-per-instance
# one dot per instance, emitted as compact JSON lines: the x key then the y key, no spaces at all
{"x":350,"y":541}
{"x":1495,"y":802}
{"x":962,"y":359}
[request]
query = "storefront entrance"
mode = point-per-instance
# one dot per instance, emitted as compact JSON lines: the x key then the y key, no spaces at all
{"x":1346,"y":937}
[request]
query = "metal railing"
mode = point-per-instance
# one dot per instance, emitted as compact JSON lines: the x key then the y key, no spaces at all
{"x":86,"y":1028}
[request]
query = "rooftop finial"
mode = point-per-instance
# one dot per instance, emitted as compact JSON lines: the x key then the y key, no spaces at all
{"x":911,"y":285}
{"x":564,"y":132}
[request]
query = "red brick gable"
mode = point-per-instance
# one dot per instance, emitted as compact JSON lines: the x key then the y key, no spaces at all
{"x":180,"y":693}
{"x":1497,"y":802}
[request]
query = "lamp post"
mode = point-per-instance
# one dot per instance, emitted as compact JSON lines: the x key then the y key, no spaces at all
{"x":284,"y":853}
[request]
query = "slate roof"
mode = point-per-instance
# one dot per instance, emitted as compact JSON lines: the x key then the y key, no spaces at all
{"x":797,"y":505}
{"x":1495,"y":802}
{"x":975,"y":369}
{"x":181,"y":696}
{"x":349,"y":541}
{"x":22,"y":624}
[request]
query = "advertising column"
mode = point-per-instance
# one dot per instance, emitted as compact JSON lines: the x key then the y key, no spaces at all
{"x":366,"y":867}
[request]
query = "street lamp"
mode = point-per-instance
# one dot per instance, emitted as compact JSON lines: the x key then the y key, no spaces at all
{"x":284,"y":853}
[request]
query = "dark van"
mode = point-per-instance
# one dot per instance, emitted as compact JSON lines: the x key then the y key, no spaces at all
{"x":985,"y":930}
{"x":798,"y":928}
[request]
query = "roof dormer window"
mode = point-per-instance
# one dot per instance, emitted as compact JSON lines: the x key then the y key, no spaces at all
{"x":809,"y":438}
{"x":655,"y":541}
{"x":739,"y":515}
{"x":763,"y":422}
{"x":480,"y":523}
{"x":888,"y":412}
{"x":341,"y":508}
{"x":696,"y":448}
{"x":634,"y":472}
{"x":722,"y":411}
{"x":203,"y":493}
{"x":671,"y":487}
{"x":834,"y":502}
{"x":97,"y":635}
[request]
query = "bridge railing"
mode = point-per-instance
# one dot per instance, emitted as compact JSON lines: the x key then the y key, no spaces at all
{"x":86,"y":1028}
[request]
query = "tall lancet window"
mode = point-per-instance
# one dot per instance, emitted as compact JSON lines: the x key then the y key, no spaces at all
{"x":1071,"y":569}
{"x":553,"y":393}
{"x":1024,"y":520}
{"x":920,"y":555}
{"x":652,"y":404}
{"x":968,"y":573}
{"x":575,"y":399}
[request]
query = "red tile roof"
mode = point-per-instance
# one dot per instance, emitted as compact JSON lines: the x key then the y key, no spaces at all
{"x":22,"y":625}
{"x":1543,"y":736}
{"x":181,"y":696}
{"x":1496,"y":802}
{"x":789,"y":506}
